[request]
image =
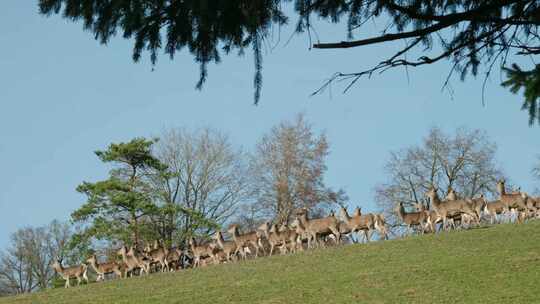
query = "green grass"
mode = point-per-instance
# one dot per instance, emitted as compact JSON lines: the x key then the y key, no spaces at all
{"x":499,"y":264}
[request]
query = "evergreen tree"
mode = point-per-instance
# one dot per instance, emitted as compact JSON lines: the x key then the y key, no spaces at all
{"x":469,"y":33}
{"x":117,"y":208}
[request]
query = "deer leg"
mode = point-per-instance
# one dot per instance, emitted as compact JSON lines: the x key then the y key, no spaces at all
{"x":259,"y":243}
{"x":241,"y":252}
{"x":256,"y":249}
{"x":367,"y":235}
{"x":337,"y":234}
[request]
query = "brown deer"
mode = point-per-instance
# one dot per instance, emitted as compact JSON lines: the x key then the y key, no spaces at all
{"x":448,"y":209}
{"x":285,"y":237}
{"x":104,"y":268}
{"x":380,"y":226}
{"x":78,"y":272}
{"x":272,"y":235}
{"x":174,"y":258}
{"x":301,"y":231}
{"x":357,"y":211}
{"x":245,"y":240}
{"x":419,"y":218}
{"x":228,"y":247}
{"x":515,"y":200}
{"x":364,"y":223}
{"x":316,"y":228}
{"x":478,"y":204}
{"x":492,"y":209}
{"x":451,"y":195}
{"x":533,"y":204}
{"x":200,"y":252}
{"x":158,"y":255}
{"x":133,"y":261}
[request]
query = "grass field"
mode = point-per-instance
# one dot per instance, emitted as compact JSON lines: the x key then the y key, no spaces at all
{"x":499,"y":264}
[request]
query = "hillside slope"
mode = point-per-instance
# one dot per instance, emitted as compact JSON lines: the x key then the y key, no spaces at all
{"x":499,"y":264}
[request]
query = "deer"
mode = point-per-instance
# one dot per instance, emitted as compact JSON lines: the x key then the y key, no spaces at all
{"x":357,"y":211}
{"x":478,"y":204}
{"x":345,"y":230}
{"x":174,"y":258}
{"x":364,"y":222}
{"x":158,"y":255}
{"x":515,"y":200}
{"x":533,"y":204}
{"x":200,"y":252}
{"x":228,"y":247}
{"x":133,"y":261}
{"x":434,"y":219}
{"x":104,"y":268}
{"x":447,"y":209}
{"x":419,"y":218}
{"x":272,"y":236}
{"x":79,"y":272}
{"x":319,"y":227}
{"x":451,"y":195}
{"x":291,"y":237}
{"x":380,"y":225}
{"x":380,"y":222}
{"x":301,"y":231}
{"x":244,"y":240}
{"x":492,"y":209}
{"x":144,"y":261}
{"x":283,"y":237}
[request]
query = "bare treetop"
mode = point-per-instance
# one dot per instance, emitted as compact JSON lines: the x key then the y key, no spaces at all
{"x":288,"y":171}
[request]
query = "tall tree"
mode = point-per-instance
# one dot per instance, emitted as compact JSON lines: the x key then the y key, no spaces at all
{"x":118,"y":207}
{"x":204,"y":181}
{"x":288,"y":169}
{"x":469,"y":33}
{"x":464,"y":161}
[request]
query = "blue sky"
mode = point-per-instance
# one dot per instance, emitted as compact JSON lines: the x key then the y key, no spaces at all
{"x":63,"y":96}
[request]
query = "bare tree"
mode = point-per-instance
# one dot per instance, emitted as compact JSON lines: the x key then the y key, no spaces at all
{"x":287,"y":171}
{"x":204,"y":181}
{"x":26,"y":265}
{"x":16,"y":266}
{"x":464,"y":162}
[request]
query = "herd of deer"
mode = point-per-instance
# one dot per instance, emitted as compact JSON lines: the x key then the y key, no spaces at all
{"x":518,"y":205}
{"x":304,"y":232}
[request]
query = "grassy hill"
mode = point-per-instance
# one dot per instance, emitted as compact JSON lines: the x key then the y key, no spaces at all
{"x":499,"y":264}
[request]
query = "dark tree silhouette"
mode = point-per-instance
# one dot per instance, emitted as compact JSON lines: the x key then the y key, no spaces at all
{"x":469,"y":33}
